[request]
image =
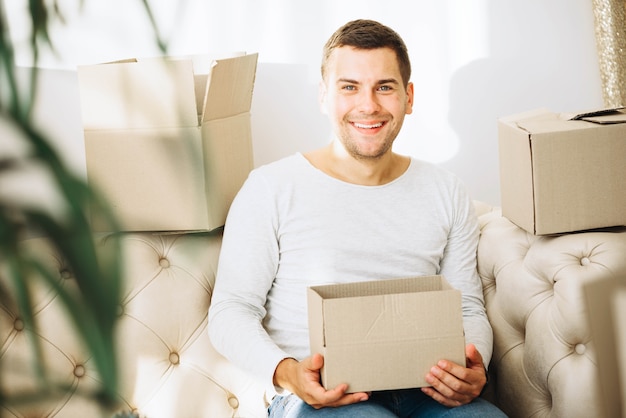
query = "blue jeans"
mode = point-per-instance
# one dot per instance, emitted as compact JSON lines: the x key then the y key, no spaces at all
{"x":409,"y":403}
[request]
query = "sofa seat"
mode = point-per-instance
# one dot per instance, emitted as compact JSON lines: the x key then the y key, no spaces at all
{"x":543,"y":363}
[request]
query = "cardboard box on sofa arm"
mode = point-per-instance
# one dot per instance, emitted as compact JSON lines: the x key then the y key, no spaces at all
{"x":563,"y":172}
{"x":387,"y":334}
{"x":168,"y":140}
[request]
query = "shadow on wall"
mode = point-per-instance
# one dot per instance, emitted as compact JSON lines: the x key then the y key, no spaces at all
{"x":480,"y":93}
{"x":532,"y":63}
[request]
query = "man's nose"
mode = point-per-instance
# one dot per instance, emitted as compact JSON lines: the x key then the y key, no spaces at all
{"x":368,"y":102}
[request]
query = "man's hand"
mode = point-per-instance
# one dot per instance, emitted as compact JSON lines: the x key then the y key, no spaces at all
{"x":453,"y":384}
{"x":303,"y":379}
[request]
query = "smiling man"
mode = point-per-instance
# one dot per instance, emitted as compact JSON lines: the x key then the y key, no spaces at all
{"x":351,"y":211}
{"x":367,"y":112}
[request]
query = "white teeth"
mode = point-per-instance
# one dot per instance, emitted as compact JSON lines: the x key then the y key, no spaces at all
{"x":362,"y":126}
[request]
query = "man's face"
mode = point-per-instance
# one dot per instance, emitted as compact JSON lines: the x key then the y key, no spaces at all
{"x":365,"y":99}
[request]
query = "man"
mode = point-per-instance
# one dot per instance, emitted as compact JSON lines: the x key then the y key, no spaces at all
{"x":351,"y":211}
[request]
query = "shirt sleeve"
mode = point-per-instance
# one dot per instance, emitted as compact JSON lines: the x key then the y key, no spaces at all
{"x":247,"y":266}
{"x":459,"y":267}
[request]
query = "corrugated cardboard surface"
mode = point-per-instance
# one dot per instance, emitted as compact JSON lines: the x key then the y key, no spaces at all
{"x":168,"y":140}
{"x":560,"y":175}
{"x":385,"y":334}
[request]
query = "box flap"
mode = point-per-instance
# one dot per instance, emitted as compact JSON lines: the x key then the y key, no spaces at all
{"x":384,"y":310}
{"x":397,"y":317}
{"x":380,"y":287}
{"x":530,"y":114}
{"x":316,"y":322}
{"x":202,"y":66}
{"x":544,"y":121}
{"x":230,"y":86}
{"x":534,"y":121}
{"x":138,"y":94}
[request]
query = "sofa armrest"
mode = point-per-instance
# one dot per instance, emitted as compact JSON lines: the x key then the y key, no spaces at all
{"x":544,"y":357}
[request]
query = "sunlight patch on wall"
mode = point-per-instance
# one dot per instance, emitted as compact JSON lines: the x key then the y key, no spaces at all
{"x":89,"y":32}
{"x":468,"y":24}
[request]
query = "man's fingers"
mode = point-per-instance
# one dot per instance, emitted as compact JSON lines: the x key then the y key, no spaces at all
{"x":445,"y":383}
{"x":440,"y":398}
{"x":337,"y":397}
{"x":313,"y":363}
{"x":473,"y":356}
{"x":309,"y":389}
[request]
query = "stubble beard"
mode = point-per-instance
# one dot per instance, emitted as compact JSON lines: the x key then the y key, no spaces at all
{"x":351,"y":145}
{"x":355,"y":151}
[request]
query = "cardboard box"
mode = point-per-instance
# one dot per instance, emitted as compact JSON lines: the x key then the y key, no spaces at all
{"x":563,"y":172}
{"x":386,"y":334}
{"x":168,"y":140}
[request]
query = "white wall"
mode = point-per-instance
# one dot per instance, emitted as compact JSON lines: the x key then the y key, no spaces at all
{"x":473,"y":61}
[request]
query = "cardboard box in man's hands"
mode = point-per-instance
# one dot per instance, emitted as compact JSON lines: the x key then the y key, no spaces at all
{"x":383,"y":335}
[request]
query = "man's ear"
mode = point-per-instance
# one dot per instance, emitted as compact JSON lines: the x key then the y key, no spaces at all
{"x":409,"y":98}
{"x":321,"y":96}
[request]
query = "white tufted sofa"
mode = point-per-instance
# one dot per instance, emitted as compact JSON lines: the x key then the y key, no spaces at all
{"x":167,"y":365}
{"x":543,"y":361}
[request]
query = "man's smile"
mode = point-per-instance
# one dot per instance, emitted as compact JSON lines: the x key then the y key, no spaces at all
{"x":368,"y":126}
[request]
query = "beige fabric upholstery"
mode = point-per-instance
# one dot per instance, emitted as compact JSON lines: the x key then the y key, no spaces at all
{"x":544,"y":357}
{"x":168,"y":366}
{"x":543,"y":361}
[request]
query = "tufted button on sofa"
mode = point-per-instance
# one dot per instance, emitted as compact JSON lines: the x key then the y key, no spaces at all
{"x":168,"y":368}
{"x":543,"y":363}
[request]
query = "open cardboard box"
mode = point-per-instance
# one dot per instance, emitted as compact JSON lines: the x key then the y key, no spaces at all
{"x":382,"y":335}
{"x":168,"y":140}
{"x":563,"y":172}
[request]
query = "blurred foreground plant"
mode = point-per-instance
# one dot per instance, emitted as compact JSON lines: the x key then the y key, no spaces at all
{"x":62,"y":219}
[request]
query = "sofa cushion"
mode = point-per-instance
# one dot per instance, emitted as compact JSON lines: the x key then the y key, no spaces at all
{"x":544,"y":356}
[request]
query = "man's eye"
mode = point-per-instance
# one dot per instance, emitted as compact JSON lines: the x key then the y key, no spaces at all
{"x":348,"y":88}
{"x":385,"y":88}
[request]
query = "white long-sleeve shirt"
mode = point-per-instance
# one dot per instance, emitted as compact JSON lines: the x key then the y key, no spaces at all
{"x":292,"y":226}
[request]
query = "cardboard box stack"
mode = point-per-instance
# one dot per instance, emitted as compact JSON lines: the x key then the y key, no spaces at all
{"x":563,"y":172}
{"x":168,"y":140}
{"x":386,"y":334}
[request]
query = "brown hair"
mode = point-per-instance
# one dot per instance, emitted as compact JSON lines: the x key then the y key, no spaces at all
{"x":369,"y":34}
